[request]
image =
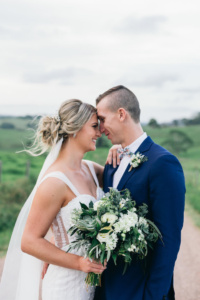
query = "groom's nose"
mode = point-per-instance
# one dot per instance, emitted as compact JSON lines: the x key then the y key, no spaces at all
{"x":101,"y":127}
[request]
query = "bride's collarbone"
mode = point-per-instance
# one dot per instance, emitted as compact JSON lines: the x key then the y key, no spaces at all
{"x":84,"y":185}
{"x":84,"y":182}
{"x":82,"y":192}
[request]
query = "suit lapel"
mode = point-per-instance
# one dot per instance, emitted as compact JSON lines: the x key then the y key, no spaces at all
{"x":144,"y":147}
{"x":108,"y":177}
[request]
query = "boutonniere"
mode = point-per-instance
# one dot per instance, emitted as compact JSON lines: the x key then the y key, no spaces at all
{"x":136,"y":160}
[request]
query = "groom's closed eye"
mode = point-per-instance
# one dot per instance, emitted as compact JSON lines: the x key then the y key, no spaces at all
{"x":101,"y":119}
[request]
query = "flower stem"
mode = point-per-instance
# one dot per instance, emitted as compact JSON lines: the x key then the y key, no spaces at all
{"x":93,"y":279}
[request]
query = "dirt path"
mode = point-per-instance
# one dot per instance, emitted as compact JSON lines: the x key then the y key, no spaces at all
{"x":187,"y":269}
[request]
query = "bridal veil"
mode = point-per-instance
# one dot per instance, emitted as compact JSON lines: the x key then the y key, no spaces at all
{"x":22,"y":272}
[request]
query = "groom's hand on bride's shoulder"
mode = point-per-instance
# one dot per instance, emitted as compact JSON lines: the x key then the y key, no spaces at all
{"x":113,"y":156}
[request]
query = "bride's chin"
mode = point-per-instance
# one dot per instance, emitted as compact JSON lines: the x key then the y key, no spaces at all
{"x":93,"y":148}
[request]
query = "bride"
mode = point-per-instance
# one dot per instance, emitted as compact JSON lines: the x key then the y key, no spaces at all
{"x":64,"y":181}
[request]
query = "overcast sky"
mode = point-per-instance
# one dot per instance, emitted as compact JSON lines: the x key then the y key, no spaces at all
{"x":51,"y":51}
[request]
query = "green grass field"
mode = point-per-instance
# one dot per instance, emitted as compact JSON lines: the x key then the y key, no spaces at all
{"x":15,"y":186}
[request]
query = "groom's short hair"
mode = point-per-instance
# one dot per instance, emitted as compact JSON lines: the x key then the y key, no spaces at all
{"x":122,"y":97}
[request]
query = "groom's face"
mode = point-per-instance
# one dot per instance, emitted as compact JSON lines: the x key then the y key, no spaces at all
{"x":109,"y":122}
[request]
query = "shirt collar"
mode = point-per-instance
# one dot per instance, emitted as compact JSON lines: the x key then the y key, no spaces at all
{"x":136,"y":144}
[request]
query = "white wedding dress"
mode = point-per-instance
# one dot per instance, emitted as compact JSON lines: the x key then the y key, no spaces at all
{"x":61,"y":283}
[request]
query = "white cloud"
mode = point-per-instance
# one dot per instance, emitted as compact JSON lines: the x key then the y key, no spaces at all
{"x":142,"y":25}
{"x":65,"y":76}
{"x":52,"y":51}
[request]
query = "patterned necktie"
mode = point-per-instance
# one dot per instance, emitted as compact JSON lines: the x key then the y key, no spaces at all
{"x":124,"y":152}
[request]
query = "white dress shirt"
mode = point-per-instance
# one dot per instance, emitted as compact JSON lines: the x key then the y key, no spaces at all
{"x":125,"y":160}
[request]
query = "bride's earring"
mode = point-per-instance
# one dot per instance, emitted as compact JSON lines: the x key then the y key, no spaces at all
{"x":74,"y":135}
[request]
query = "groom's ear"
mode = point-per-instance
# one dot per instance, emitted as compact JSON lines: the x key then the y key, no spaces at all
{"x":122,"y":113}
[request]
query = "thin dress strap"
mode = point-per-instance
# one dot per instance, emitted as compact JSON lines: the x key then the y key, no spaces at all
{"x":64,"y":178}
{"x":92,"y":170}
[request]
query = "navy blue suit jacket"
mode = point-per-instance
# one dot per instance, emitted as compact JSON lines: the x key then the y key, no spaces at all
{"x":158,"y":182}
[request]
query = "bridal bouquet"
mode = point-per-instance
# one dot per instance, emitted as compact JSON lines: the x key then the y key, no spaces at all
{"x":112,"y":227}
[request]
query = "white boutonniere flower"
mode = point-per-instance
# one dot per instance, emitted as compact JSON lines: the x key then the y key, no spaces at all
{"x":136,"y":160}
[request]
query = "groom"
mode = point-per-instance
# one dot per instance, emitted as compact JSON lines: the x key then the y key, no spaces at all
{"x":158,"y":182}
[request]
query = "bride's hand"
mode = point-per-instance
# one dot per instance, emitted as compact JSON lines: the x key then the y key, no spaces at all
{"x":113,"y":156}
{"x":91,"y":266}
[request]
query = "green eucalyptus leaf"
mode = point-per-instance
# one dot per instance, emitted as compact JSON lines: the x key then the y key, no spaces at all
{"x":83,"y":206}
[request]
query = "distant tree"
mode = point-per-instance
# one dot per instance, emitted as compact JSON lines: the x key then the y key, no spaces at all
{"x":27,"y":117}
{"x":177,"y":141}
{"x":175,"y":122}
{"x":153,"y":123}
{"x":193,"y":121}
{"x":7,"y":125}
{"x":103,"y":142}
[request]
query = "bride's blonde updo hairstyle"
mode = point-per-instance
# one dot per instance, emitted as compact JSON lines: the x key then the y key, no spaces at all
{"x":72,"y":116}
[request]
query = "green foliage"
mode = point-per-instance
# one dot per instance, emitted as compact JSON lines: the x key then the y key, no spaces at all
{"x":178,"y":141}
{"x":192,"y":121}
{"x":4,"y":240}
{"x":12,"y":140}
{"x":99,"y":155}
{"x":12,"y":195}
{"x":193,"y":192}
{"x":7,"y":125}
{"x":14,"y":167}
{"x":20,"y":123}
{"x":153,"y":123}
{"x":103,"y":142}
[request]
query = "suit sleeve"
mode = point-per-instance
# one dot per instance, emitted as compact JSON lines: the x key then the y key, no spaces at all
{"x":167,"y":198}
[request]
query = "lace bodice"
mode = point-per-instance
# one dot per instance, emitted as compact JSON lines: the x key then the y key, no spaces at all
{"x":62,"y":221}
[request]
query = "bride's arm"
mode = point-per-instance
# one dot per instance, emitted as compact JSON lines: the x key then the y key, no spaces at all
{"x":46,"y":204}
{"x":45,"y":264}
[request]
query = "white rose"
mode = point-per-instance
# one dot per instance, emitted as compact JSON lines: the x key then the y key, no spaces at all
{"x":122,"y":202}
{"x":123,"y":236}
{"x":107,"y":217}
{"x":103,"y":237}
{"x":142,"y":221}
{"x":132,"y":248}
{"x":97,"y":204}
{"x":111,"y":241}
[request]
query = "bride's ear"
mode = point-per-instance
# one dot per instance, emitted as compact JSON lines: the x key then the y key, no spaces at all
{"x":122,"y":113}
